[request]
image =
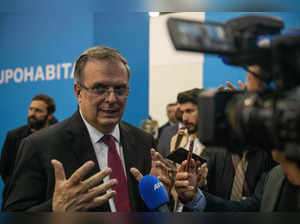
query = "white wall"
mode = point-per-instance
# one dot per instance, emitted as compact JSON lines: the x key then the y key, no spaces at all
{"x":170,"y":71}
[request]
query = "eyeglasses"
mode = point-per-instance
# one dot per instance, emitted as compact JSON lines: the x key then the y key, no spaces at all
{"x":120,"y":92}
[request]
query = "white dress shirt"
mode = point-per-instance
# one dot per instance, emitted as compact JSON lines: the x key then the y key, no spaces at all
{"x":101,"y":151}
{"x":198,"y":146}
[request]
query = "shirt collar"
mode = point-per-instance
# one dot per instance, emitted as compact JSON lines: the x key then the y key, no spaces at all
{"x":96,"y":135}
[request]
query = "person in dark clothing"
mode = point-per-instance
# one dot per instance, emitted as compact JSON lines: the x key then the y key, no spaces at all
{"x":221,"y":171}
{"x":167,"y":134}
{"x":171,"y":110}
{"x":224,"y":166}
{"x":40,"y":115}
{"x":279,"y":190}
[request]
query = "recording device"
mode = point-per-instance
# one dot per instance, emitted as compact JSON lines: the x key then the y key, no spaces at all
{"x":206,"y":37}
{"x":266,"y":119}
{"x":181,"y":154}
{"x":154,"y":193}
{"x":178,"y":154}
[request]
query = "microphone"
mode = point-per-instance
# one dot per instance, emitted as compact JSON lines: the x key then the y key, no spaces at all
{"x":154,"y":193}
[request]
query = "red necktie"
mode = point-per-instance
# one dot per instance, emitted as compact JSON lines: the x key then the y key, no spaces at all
{"x":121,"y":199}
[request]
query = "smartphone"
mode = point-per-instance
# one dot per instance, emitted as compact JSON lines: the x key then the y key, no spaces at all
{"x":205,"y":37}
{"x":181,"y":154}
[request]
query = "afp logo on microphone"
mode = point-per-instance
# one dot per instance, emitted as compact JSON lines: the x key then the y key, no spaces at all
{"x":157,"y":186}
{"x":153,"y":192}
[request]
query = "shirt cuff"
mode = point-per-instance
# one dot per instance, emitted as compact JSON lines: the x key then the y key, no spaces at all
{"x":198,"y":204}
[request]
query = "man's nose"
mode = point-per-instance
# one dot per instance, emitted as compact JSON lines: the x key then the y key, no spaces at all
{"x":31,"y":113}
{"x":184,"y":117}
{"x":111,"y":97}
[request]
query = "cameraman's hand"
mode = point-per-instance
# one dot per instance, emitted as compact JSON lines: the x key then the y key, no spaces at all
{"x":186,"y":182}
{"x":230,"y":86}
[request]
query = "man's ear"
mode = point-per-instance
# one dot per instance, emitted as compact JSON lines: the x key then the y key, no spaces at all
{"x":77,"y":90}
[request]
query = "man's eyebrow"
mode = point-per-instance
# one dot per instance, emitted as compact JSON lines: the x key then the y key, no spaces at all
{"x":98,"y":84}
{"x":105,"y":86}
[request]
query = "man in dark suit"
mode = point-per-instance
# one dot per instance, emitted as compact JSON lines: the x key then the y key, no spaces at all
{"x":40,"y":115}
{"x":83,"y":147}
{"x":222,"y":170}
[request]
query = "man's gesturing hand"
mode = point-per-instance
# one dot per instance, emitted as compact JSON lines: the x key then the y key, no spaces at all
{"x":73,"y":194}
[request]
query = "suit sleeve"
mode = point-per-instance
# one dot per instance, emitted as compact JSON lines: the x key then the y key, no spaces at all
{"x":210,"y":155}
{"x":28,"y":184}
{"x":250,"y":204}
{"x":163,"y":146}
{"x":6,"y":158}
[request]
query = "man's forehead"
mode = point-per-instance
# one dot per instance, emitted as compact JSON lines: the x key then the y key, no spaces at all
{"x":105,"y":69}
{"x":38,"y":104}
{"x":187,"y":105}
{"x":173,"y":107}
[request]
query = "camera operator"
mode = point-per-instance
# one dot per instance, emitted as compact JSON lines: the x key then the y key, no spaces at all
{"x":268,"y":119}
{"x":278,"y":190}
{"x":233,"y":174}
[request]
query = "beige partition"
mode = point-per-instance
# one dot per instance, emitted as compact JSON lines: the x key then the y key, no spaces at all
{"x":171,"y":71}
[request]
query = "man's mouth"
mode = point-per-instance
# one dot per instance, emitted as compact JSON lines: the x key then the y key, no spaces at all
{"x":188,"y":125}
{"x":109,"y":111}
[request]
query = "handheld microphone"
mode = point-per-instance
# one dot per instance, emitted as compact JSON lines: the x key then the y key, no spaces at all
{"x":154,"y":193}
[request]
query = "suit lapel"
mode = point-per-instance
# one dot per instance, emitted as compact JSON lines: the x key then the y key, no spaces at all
{"x":82,"y":148}
{"x":272,"y":189}
{"x":130,"y":158}
{"x":80,"y":142}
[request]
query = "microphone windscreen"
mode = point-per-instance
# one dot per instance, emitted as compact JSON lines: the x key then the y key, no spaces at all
{"x":153,"y":192}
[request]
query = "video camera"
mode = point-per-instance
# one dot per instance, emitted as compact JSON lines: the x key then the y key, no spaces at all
{"x":268,"y":119}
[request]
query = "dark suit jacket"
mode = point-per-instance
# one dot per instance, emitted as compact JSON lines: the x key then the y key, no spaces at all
{"x":250,"y":204}
{"x":32,"y":184}
{"x":265,"y":198}
{"x":160,"y":129}
{"x":221,"y":170}
{"x":10,"y":149}
{"x":164,"y":141}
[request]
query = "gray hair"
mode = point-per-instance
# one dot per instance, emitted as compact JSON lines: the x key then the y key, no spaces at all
{"x":97,"y":53}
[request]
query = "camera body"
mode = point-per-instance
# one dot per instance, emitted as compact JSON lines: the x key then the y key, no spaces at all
{"x":268,"y":119}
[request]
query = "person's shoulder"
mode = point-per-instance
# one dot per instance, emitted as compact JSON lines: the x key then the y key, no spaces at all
{"x":19,"y":131}
{"x":277,"y":170}
{"x":164,"y":126}
{"x":274,"y":176}
{"x":51,"y":131}
{"x":171,"y":127}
